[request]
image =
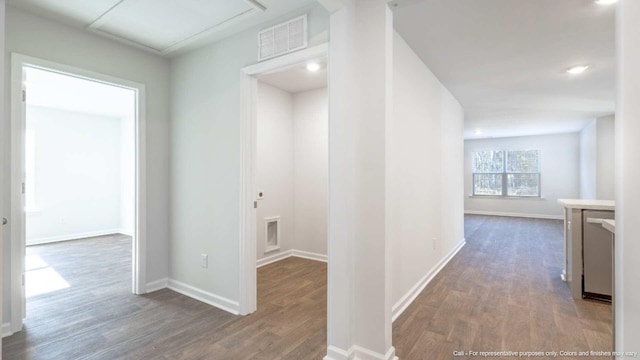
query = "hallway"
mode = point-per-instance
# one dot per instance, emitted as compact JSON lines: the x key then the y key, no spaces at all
{"x":502,"y":292}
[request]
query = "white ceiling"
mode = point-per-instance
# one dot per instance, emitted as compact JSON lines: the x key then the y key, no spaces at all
{"x":63,"y":92}
{"x":298,"y":79}
{"x":165,"y":27}
{"x":505,"y":60}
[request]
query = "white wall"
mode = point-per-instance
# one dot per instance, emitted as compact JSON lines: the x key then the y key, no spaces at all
{"x":205,"y":158}
{"x":424,"y":172}
{"x":559,"y":167}
{"x":605,"y":158}
{"x":35,"y":36}
{"x":128,"y":175}
{"x":311,"y":169}
{"x":77,"y":175}
{"x":274,"y":165}
{"x":292,"y":168}
{"x":4,"y":249}
{"x":627,"y":244}
{"x":597,"y":159}
{"x":588,"y":156}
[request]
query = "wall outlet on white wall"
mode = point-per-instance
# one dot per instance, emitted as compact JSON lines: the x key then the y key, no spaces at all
{"x":433,"y":243}
{"x":204,"y":260}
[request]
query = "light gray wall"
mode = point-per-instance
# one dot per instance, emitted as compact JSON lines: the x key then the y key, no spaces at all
{"x":605,"y":158}
{"x":274,"y":165}
{"x":588,"y":158}
{"x":311,"y":169}
{"x":205,"y":158}
{"x":424,"y":171}
{"x":35,"y":36}
{"x":627,"y":246}
{"x":560,"y":170}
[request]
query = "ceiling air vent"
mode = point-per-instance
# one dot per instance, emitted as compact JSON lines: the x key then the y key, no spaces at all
{"x":283,"y":38}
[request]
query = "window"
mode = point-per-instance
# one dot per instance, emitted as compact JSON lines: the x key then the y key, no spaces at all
{"x":506,"y":173}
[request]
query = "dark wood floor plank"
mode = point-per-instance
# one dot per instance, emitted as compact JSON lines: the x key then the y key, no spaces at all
{"x":501,"y":292}
{"x":97,"y":317}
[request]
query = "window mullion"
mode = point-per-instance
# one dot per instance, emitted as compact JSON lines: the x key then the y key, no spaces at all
{"x":504,"y":174}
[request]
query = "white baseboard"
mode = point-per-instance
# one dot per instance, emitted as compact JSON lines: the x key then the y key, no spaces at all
{"x":204,"y":296}
{"x":497,"y":213}
{"x":309,"y":255}
{"x":273,"y":258}
{"x":358,"y":353}
{"x":404,"y":302}
{"x":157,"y":285}
{"x":52,"y":239}
{"x":289,"y":253}
{"x":6,"y":330}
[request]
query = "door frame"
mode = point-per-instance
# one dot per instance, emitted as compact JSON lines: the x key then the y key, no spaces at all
{"x":17,"y":220}
{"x":248,"y":104}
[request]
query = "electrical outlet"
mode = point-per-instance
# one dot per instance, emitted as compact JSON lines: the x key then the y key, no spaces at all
{"x":433,"y":243}
{"x":204,"y":260}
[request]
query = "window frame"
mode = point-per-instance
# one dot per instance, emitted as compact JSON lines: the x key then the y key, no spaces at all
{"x":505,"y":176}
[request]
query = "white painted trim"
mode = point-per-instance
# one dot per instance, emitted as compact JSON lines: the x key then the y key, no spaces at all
{"x":287,"y":61}
{"x":290,"y":253}
{"x":404,"y":302}
{"x":361,"y":353}
{"x":17,"y":221}
{"x":206,"y":297}
{"x":52,"y":239}
{"x":157,"y":285}
{"x":248,"y":104}
{"x":335,"y":353}
{"x":497,"y":213}
{"x":274,"y":258}
{"x":309,"y":255}
{"x":358,"y":353}
{"x":6,"y":330}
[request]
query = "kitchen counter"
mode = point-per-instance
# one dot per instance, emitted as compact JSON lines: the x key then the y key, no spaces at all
{"x":609,"y":225}
{"x":584,"y":204}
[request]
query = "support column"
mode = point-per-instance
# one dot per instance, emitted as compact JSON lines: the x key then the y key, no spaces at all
{"x":359,"y":301}
{"x":627,"y":247}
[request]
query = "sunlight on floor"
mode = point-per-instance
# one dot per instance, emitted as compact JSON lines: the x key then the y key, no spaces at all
{"x":40,"y":278}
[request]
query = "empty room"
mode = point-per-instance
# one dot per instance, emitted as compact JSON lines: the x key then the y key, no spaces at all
{"x":319,"y":179}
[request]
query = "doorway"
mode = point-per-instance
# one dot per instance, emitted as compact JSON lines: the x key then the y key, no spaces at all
{"x":292,"y":155}
{"x":269,"y":230}
{"x":77,"y":194}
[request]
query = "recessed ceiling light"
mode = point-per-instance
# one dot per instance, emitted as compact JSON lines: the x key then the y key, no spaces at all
{"x":606,"y":2}
{"x":313,"y":67}
{"x":577,"y":69}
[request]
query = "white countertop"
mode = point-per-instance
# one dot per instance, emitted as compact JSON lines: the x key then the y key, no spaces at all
{"x":609,"y":225}
{"x":588,"y":204}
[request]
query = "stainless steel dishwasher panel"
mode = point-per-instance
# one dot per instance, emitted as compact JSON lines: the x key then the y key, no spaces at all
{"x":597,"y":257}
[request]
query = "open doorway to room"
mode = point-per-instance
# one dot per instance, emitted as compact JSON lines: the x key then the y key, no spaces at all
{"x":77,"y":204}
{"x":292,"y":185}
{"x":285,"y":191}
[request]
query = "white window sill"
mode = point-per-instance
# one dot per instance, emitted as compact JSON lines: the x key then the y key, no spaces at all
{"x":497,"y":197}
